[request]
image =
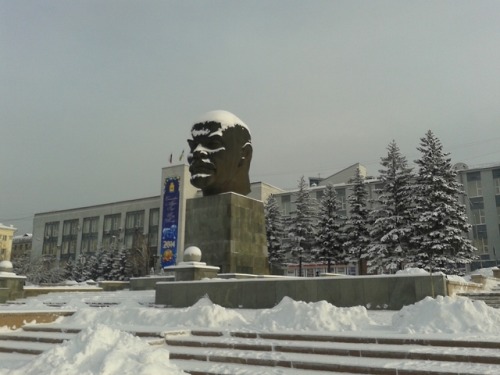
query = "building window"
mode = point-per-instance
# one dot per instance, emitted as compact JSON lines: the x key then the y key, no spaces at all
{"x":89,"y":235}
{"x":134,"y":220}
{"x":478,"y":216}
{"x":112,"y":223}
{"x":341,"y":199}
{"x":496,"y":181}
{"x":474,"y":185}
{"x":286,"y":204}
{"x":481,"y":244}
{"x":50,"y":238}
{"x":134,"y":228}
{"x":69,"y":237}
{"x":111,"y":230}
{"x":480,"y":238}
{"x":154,"y":221}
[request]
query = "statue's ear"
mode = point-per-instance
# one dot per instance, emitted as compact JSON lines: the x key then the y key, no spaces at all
{"x":246,"y":154}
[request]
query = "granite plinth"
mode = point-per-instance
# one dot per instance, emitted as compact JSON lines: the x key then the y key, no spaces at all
{"x":230,"y":231}
{"x":191,"y":271}
{"x":11,"y":285}
{"x":390,"y":292}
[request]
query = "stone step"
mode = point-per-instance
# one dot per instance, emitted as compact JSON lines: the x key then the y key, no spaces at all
{"x":214,"y":352}
{"x":491,"y":299}
{"x":34,"y":347}
{"x":34,"y":339}
{"x":209,"y":368}
{"x":329,"y":363}
{"x":388,"y":340}
{"x":46,"y":337}
{"x":138,"y":331}
{"x":487,"y":356}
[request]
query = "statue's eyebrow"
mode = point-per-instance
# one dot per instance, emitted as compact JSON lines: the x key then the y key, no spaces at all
{"x":216,"y":133}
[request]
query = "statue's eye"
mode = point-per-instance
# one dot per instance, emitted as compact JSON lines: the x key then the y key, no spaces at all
{"x":214,"y":144}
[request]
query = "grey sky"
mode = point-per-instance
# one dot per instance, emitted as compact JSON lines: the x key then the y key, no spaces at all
{"x":96,"y":94}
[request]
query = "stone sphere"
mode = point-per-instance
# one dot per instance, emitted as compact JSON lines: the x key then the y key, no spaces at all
{"x":192,"y":254}
{"x":6,"y":266}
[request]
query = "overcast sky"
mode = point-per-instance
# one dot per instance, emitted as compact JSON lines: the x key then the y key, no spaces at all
{"x":96,"y":94}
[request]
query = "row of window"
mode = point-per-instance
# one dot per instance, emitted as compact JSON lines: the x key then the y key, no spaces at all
{"x":134,"y":228}
{"x":286,"y":201}
{"x":475,"y":186}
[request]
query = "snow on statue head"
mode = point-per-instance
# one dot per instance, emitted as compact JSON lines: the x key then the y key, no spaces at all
{"x":220,"y":154}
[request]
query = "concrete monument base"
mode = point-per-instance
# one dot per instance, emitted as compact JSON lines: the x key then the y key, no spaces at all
{"x":390,"y":292}
{"x":11,"y":285}
{"x":191,"y":271}
{"x":230,"y":230}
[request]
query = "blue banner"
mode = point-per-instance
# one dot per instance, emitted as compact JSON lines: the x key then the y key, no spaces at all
{"x":170,"y":222}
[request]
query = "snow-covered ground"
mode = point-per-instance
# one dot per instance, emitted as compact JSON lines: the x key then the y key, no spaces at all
{"x":103,"y":348}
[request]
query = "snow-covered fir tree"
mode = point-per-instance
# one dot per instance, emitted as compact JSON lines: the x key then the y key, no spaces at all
{"x":92,"y":264}
{"x":301,"y":225}
{"x":391,"y":216}
{"x":274,"y":231}
{"x":81,"y":271}
{"x":329,"y":235}
{"x":356,"y":227}
{"x":69,"y":269}
{"x":440,"y":219}
{"x":105,"y":260}
{"x":121,"y":267}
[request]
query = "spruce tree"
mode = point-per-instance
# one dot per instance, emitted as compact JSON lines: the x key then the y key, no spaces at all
{"x":69,"y":270}
{"x":391,"y":216}
{"x":301,"y":225}
{"x":329,"y":236}
{"x":92,"y":266}
{"x":121,"y":267}
{"x":79,"y":269}
{"x":274,"y":231}
{"x":440,"y":219}
{"x":357,"y":225}
{"x":105,"y":258}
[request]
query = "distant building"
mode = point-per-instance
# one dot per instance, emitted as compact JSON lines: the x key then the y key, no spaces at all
{"x":6,"y":236}
{"x":482,"y":199}
{"x":67,"y":234}
{"x":21,"y":245}
{"x":83,"y":231}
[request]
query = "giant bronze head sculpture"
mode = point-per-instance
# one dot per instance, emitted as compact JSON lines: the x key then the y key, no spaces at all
{"x":220,"y":154}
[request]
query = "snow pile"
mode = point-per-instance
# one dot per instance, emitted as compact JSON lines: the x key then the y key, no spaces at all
{"x":412,"y":271}
{"x":457,"y":279}
{"x":290,"y":315}
{"x":206,"y":314}
{"x":447,"y":315}
{"x":203,"y":314}
{"x":101,"y":350}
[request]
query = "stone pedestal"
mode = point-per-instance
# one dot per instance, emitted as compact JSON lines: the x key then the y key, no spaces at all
{"x":11,"y":285}
{"x":496,"y":272}
{"x":230,"y":230}
{"x":190,"y":271}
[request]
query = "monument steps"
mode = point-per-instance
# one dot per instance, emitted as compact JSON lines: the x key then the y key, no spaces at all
{"x":210,"y":352}
{"x":202,"y":351}
{"x":37,"y":338}
{"x":491,"y":298}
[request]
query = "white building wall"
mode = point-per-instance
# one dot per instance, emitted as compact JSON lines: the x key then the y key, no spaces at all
{"x":41,"y":219}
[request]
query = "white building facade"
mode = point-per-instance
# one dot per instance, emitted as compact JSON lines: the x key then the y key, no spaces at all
{"x":83,"y":231}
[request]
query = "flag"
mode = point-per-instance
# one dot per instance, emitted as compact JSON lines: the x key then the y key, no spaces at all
{"x":182,"y":155}
{"x":170,"y":158}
